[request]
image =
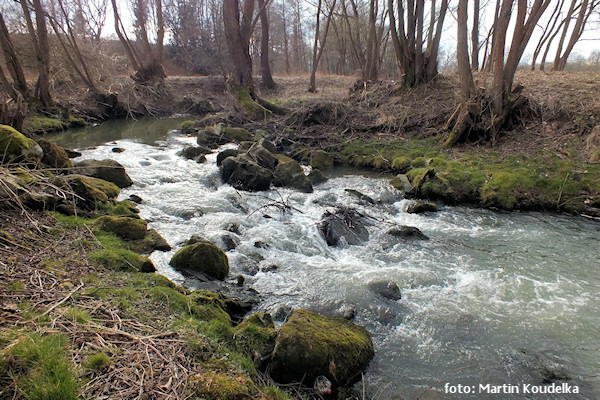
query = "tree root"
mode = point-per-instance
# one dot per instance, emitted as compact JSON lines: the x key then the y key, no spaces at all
{"x":474,"y":120}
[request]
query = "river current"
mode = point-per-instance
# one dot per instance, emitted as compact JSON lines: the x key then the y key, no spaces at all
{"x":492,"y":298}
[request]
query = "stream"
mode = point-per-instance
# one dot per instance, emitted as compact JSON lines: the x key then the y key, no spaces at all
{"x":492,"y":298}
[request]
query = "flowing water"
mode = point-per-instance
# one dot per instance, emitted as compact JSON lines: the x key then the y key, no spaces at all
{"x":492,"y":298}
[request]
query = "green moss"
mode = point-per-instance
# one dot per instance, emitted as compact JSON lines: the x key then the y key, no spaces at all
{"x":401,"y":164}
{"x":236,"y":134}
{"x":188,"y":123}
{"x":255,"y":337}
{"x":78,"y":315}
{"x":39,"y":368}
{"x":219,"y":386}
{"x":272,"y":392}
{"x":248,"y":104}
{"x":76,"y":121}
{"x":16,"y":286}
{"x":41,"y":125}
{"x":97,"y":361}
{"x":54,"y":155}
{"x":124,"y":208}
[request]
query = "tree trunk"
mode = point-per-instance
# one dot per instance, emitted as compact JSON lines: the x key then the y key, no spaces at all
{"x":12,"y":61}
{"x":265,"y":67}
{"x":462,"y":53}
{"x":475,"y":37}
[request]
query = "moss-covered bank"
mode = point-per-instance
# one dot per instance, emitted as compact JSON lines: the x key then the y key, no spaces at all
{"x":482,"y":177}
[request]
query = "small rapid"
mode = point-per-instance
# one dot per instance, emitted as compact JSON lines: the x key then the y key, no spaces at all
{"x":498,"y":298}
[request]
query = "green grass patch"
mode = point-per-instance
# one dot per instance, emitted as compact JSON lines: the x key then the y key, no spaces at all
{"x":37,"y":366}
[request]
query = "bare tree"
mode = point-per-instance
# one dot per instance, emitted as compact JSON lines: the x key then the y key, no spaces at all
{"x":586,"y":7}
{"x":39,"y":40}
{"x":418,"y":65}
{"x":319,"y":39}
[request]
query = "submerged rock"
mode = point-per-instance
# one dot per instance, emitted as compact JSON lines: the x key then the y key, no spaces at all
{"x":420,"y":206}
{"x":402,"y":183}
{"x":309,"y":345}
{"x":344,"y":223}
{"x":360,"y":196}
{"x":16,"y":147}
{"x":407,"y":232}
{"x":385,"y":289}
{"x":108,"y":170}
{"x":193,"y":152}
{"x":202,"y":257}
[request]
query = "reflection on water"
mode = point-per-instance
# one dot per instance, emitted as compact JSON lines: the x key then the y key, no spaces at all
{"x":146,"y":130}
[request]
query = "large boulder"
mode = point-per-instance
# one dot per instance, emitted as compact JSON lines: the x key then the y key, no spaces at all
{"x":244,"y":174}
{"x":108,"y":169}
{"x":16,"y":147}
{"x":344,"y":223}
{"x":202,"y":257}
{"x":292,"y":175}
{"x":309,"y":345}
{"x":193,"y":152}
{"x":54,"y":155}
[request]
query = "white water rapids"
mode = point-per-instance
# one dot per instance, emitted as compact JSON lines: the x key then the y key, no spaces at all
{"x":498,"y":298}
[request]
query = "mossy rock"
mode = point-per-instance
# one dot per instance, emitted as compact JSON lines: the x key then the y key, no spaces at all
{"x":54,"y":155}
{"x":236,"y":134}
{"x":153,"y":241}
{"x":123,"y":227}
{"x":109,"y":170}
{"x":255,"y":336}
{"x":225,"y":154}
{"x":309,"y":345}
{"x":320,"y":159}
{"x":16,"y":147}
{"x":291,"y":174}
{"x":202,"y":257}
{"x":91,"y":190}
